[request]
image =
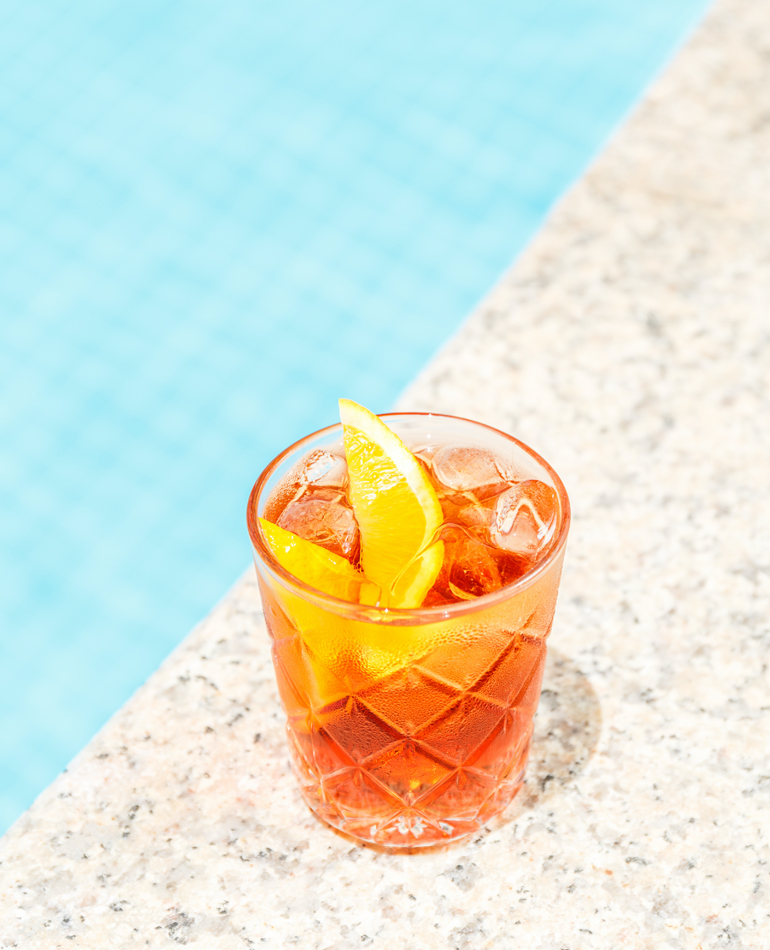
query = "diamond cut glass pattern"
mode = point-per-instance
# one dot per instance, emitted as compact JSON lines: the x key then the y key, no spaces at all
{"x":412,"y":751}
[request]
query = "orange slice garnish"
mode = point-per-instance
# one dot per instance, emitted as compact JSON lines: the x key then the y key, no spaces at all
{"x":396,"y":507}
{"x":313,"y":564}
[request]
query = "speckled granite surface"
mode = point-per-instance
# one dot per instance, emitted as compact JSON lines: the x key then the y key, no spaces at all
{"x":631,"y":346}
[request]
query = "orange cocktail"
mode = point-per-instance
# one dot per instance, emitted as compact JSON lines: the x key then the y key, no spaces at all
{"x":409,"y":697}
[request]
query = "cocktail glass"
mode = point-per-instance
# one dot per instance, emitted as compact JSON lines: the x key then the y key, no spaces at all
{"x":409,"y":728}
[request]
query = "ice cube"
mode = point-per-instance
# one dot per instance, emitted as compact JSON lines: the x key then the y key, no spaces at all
{"x":525,"y":518}
{"x":466,"y":511}
{"x":476,"y":516}
{"x":424,"y":452}
{"x":473,"y":566}
{"x":473,"y":570}
{"x":465,"y":469}
{"x":325,"y":469}
{"x":469,"y":569}
{"x":323,"y":517}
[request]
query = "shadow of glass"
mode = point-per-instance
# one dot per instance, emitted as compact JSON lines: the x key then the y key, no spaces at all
{"x":567,"y":728}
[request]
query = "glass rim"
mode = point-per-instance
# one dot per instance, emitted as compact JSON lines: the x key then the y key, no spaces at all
{"x":437,"y":612}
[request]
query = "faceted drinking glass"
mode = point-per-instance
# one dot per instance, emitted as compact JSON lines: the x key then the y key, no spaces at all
{"x":409,"y":728}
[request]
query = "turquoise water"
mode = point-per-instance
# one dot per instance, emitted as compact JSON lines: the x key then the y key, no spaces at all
{"x":214,"y":220}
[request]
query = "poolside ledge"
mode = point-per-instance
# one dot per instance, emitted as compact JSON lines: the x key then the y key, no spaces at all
{"x":631,"y":346}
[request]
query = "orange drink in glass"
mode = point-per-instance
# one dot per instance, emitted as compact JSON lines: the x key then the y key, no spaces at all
{"x":410,"y":725}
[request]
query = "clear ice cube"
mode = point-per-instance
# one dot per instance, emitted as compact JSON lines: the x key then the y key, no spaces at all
{"x":473,"y":570}
{"x":476,"y":516}
{"x":324,"y":517}
{"x":424,"y":452}
{"x":464,"y":469}
{"x":470,"y":568}
{"x":525,"y":518}
{"x":325,"y":469}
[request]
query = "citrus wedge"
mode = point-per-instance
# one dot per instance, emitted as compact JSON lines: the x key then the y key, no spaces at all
{"x":339,"y":654}
{"x":313,"y":564}
{"x":396,"y":508}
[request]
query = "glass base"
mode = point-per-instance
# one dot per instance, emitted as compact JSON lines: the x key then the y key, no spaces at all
{"x":355,"y":802}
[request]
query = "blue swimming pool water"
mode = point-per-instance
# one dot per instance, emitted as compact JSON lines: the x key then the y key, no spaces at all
{"x":214,"y":220}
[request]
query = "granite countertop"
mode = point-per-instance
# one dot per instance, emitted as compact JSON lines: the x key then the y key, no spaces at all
{"x":630,"y":345}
